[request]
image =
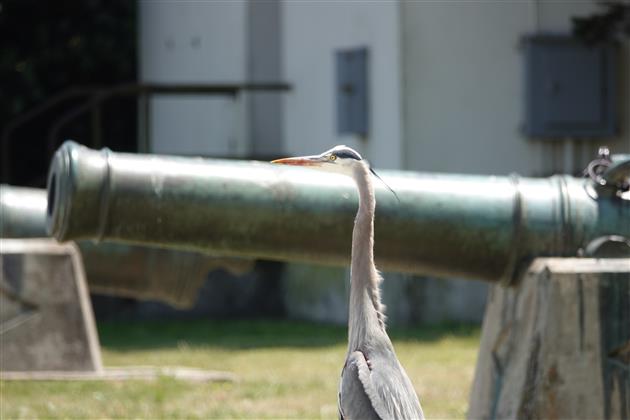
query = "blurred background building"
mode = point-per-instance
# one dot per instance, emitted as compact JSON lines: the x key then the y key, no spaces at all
{"x":437,"y":86}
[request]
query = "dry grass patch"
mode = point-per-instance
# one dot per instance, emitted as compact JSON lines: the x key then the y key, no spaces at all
{"x":285,"y":370}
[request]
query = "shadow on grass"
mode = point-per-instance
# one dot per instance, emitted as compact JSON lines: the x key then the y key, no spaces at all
{"x":242,"y":334}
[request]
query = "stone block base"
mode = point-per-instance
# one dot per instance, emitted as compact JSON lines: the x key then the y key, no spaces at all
{"x":558,"y":345}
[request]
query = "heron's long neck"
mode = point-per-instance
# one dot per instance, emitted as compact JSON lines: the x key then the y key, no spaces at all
{"x":365,"y":309}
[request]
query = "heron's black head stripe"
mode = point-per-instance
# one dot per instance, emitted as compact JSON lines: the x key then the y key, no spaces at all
{"x":347,"y":154}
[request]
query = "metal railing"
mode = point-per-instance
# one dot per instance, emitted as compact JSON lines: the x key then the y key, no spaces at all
{"x":97,"y":95}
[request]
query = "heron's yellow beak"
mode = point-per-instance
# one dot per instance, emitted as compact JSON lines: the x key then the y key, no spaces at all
{"x":298,"y":161}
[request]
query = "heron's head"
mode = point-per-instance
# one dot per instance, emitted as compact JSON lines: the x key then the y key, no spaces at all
{"x":339,"y":159}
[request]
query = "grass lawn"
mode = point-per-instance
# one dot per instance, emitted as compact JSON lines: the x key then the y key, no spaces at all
{"x":285,"y":370}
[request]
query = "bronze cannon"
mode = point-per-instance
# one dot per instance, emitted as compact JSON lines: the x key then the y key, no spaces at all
{"x":140,"y":272}
{"x":480,"y":227}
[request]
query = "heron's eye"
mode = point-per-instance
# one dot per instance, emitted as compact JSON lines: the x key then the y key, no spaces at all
{"x":332,"y":158}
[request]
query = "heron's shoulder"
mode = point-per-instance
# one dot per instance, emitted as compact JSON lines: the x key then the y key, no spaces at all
{"x":357,"y":396}
{"x":395,"y":389}
{"x":379,"y":379}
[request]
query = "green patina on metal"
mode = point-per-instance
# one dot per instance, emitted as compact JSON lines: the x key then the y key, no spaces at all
{"x":22,"y":212}
{"x":483,"y":227}
{"x":119,"y":269}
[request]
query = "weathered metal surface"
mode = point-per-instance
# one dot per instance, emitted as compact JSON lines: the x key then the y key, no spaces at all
{"x":480,"y":227}
{"x":141,"y":272}
{"x":22,"y":212}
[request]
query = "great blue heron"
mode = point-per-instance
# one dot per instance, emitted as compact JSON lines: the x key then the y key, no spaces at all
{"x":373,"y":383}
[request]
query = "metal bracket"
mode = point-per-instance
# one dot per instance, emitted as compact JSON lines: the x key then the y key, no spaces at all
{"x":610,"y":175}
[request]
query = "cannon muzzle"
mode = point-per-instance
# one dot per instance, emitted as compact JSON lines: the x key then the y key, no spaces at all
{"x":483,"y":227}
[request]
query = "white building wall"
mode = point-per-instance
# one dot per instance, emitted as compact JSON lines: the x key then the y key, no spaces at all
{"x":194,"y":42}
{"x":312,"y":32}
{"x":463,"y":88}
{"x":463,"y":78}
{"x":446,"y":94}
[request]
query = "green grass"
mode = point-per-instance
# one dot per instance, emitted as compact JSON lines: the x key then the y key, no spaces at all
{"x":285,"y":370}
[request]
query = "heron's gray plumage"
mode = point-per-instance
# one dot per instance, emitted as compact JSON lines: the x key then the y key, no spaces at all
{"x":372,"y":369}
{"x":373,"y":383}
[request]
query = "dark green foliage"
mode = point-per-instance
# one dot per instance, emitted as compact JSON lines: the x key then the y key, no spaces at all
{"x":50,"y":46}
{"x":611,"y":24}
{"x":254,"y":333}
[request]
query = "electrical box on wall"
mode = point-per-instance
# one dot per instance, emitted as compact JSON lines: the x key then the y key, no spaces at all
{"x":570,"y":88}
{"x":352,"y":91}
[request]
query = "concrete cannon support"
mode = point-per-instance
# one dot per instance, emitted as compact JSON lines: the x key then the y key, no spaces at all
{"x":557,"y":346}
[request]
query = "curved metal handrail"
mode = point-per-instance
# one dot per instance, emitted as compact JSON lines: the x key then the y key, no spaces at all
{"x":99,"y":94}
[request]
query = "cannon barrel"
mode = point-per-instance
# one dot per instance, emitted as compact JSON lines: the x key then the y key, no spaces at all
{"x":22,"y":212}
{"x":141,"y":272}
{"x":483,"y":227}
